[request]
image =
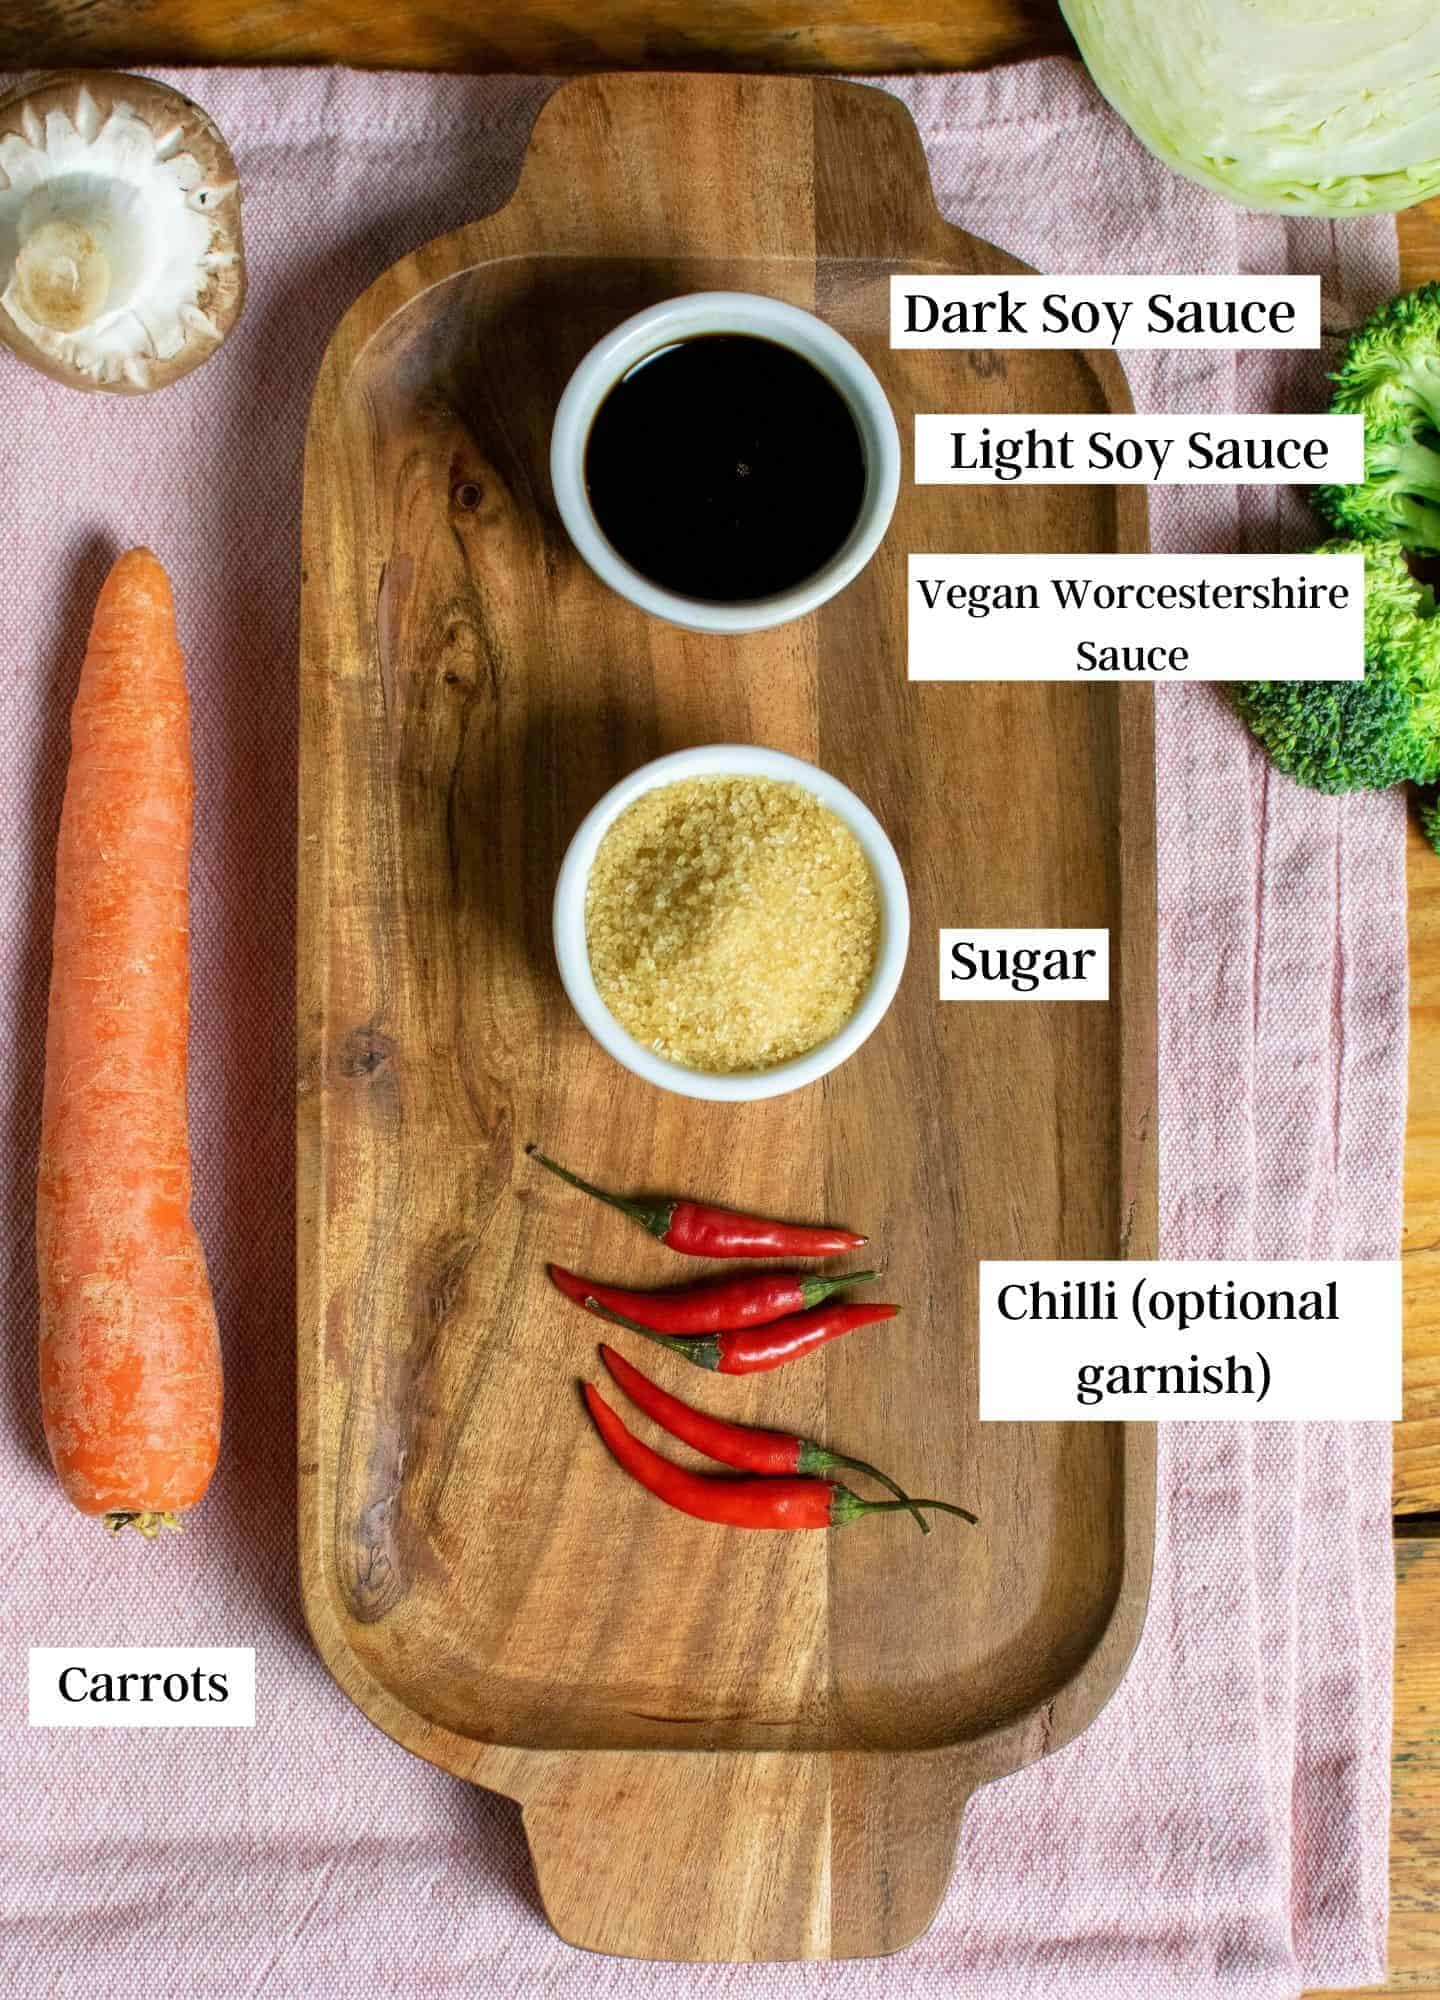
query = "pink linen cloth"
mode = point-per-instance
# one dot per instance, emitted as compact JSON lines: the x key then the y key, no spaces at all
{"x":1221,"y":1829}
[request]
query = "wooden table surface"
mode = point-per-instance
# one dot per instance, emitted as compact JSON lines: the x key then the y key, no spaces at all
{"x":876,"y":36}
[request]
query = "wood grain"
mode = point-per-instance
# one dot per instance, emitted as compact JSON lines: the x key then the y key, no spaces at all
{"x":874,"y":37}
{"x":1417,"y":1439}
{"x":1415,"y":1808}
{"x":726,"y":1746}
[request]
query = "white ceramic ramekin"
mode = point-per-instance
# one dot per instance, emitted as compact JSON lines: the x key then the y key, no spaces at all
{"x":682,"y":319}
{"x":728,"y":760}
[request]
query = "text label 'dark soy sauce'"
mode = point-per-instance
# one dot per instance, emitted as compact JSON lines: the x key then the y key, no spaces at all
{"x":725,"y":467}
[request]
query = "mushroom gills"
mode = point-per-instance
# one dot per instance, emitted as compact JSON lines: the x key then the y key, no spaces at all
{"x":120,"y":258}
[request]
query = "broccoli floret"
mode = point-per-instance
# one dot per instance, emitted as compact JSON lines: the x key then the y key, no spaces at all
{"x":1357,"y":736}
{"x":1430,"y":821}
{"x":1390,"y":376}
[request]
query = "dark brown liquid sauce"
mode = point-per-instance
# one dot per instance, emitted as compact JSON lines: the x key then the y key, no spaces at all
{"x":725,"y":467}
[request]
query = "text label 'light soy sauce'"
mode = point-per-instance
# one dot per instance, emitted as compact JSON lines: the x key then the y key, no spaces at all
{"x":725,"y":467}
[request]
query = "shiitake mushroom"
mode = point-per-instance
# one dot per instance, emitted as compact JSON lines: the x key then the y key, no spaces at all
{"x":121,"y":260}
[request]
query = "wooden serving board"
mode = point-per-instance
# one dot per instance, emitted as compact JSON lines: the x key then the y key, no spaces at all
{"x":726,"y":1745}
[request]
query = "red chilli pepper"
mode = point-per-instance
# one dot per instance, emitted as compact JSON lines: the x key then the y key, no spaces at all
{"x":751,"y":1349}
{"x":739,"y":1445}
{"x":697,"y":1231}
{"x":738,"y":1502}
{"x":734,"y":1302}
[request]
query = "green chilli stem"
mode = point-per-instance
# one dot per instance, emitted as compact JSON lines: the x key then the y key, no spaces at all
{"x":815,"y":1291}
{"x":656,"y":1220}
{"x":818,"y":1458}
{"x":703,"y":1350}
{"x":941,"y":1506}
{"x":848,"y":1506}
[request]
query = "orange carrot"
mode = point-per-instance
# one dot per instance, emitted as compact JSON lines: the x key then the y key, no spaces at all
{"x":129,"y":1353}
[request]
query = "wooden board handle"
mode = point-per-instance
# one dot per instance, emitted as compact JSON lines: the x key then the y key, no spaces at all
{"x":736,"y":1857}
{"x":726,"y":166}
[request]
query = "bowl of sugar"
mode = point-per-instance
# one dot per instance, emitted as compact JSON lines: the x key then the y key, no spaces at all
{"x":730,"y":922}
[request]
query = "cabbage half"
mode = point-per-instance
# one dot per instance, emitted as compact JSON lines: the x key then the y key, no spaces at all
{"x":1303,"y":107}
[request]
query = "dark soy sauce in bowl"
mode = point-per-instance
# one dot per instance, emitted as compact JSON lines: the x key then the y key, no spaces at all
{"x":725,"y":467}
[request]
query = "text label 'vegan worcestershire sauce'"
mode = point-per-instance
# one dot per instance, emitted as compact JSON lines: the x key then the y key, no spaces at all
{"x":725,"y":467}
